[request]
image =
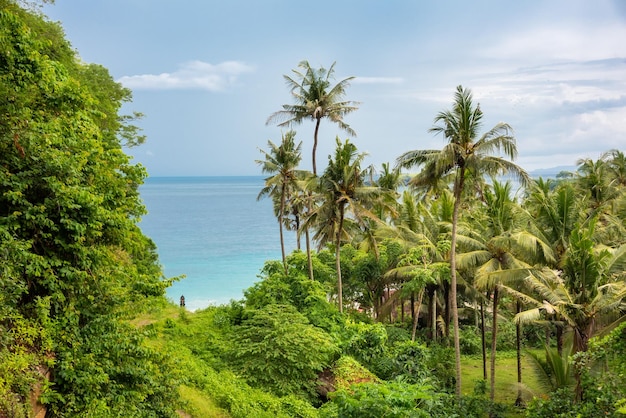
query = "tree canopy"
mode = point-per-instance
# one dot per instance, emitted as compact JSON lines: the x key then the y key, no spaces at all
{"x":74,"y":259}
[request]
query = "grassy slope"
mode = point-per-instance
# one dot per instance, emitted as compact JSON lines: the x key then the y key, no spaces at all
{"x":178,"y":332}
{"x":156,"y":317}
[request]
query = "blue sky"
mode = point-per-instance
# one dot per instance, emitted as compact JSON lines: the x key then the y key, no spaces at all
{"x":207,"y":74}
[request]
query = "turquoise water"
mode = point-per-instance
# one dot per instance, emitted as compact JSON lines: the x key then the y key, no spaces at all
{"x":214,"y":231}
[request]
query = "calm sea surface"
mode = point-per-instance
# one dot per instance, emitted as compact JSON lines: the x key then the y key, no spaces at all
{"x":214,"y":231}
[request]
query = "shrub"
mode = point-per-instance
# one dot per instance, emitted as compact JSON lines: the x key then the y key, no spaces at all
{"x":372,"y":400}
{"x":278,"y":349}
{"x":470,"y":340}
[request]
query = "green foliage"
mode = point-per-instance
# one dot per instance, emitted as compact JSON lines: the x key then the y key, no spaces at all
{"x":441,"y":365}
{"x":74,"y":262}
{"x":408,"y":361}
{"x":375,"y":400}
{"x":278,"y":349}
{"x":364,"y":342}
{"x":470,"y":341}
{"x":602,"y":370}
{"x":450,"y":406}
{"x":296,"y":289}
{"x":554,"y":371}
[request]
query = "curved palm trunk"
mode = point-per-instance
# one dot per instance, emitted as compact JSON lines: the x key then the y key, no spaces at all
{"x":338,"y":260}
{"x":494,"y":334}
{"x":317,"y":128}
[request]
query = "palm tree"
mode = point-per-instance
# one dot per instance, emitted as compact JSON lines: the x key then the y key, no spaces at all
{"x":341,"y":191}
{"x":281,"y":162}
{"x":466,"y":155}
{"x":616,"y":166}
{"x":315,"y":98}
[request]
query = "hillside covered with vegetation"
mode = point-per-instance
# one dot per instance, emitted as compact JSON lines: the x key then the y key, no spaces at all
{"x":444,"y":293}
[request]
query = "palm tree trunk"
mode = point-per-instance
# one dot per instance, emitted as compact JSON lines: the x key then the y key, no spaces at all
{"x":518,"y":343}
{"x":494,"y":334}
{"x":317,"y":128}
{"x":483,"y":339}
{"x":433,"y":316}
{"x":412,"y":305}
{"x":416,"y":314}
{"x":283,"y":192}
{"x":307,"y":237}
{"x":309,"y":260}
{"x":455,"y":311}
{"x":447,"y":312}
{"x":297,"y":219}
{"x":338,"y":261}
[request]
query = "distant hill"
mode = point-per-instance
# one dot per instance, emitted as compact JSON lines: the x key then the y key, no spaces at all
{"x":551,"y":172}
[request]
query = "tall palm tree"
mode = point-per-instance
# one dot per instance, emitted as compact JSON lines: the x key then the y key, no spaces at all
{"x":281,"y":162}
{"x":342,"y":191}
{"x":315,"y":98}
{"x":466,"y":155}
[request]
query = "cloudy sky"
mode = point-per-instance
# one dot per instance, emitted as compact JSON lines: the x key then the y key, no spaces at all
{"x":207,"y":74}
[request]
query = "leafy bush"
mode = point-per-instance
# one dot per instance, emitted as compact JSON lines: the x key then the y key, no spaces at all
{"x":406,"y":360}
{"x":278,"y":349}
{"x":450,"y":406}
{"x":375,"y":400}
{"x":470,"y":340}
{"x":441,"y":365}
{"x":295,"y":289}
{"x":365,"y":342}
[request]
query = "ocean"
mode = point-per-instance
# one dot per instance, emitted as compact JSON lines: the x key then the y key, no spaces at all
{"x":213,"y":231}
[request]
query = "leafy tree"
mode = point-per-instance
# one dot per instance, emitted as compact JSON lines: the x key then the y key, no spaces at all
{"x":315,"y":98}
{"x":294,"y":288}
{"x":467,"y":156}
{"x":74,"y":259}
{"x":587,"y":294}
{"x":278,"y":349}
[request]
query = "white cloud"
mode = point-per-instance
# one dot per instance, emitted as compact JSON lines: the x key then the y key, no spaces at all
{"x":193,"y":75}
{"x":378,"y":80}
{"x":574,"y":42}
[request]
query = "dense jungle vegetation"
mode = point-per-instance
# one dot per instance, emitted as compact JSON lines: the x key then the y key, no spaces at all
{"x":465,"y":288}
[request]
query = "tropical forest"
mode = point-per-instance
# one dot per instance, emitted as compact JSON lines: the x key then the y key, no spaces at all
{"x":447,"y":283}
